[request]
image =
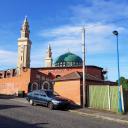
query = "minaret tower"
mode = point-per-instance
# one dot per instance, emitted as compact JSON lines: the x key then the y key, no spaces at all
{"x":24,"y":46}
{"x":48,"y":58}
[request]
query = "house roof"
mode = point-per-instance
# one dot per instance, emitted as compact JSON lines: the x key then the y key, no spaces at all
{"x":71,"y":76}
{"x":77,"y":75}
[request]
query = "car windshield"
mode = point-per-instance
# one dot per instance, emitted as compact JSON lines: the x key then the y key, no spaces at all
{"x":51,"y":93}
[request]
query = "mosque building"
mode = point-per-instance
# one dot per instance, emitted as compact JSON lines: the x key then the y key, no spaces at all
{"x":64,"y":76}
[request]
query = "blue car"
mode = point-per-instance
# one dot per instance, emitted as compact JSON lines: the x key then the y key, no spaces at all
{"x":47,"y":98}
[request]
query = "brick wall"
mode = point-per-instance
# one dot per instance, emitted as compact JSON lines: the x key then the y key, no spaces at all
{"x":14,"y":84}
{"x":54,"y":71}
{"x":36,"y":76}
{"x":69,"y":89}
{"x":95,"y":72}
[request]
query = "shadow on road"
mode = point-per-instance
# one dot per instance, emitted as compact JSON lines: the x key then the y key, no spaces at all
{"x":6,"y":96}
{"x":75,"y":107}
{"x":6,"y":122}
{"x":2,"y":106}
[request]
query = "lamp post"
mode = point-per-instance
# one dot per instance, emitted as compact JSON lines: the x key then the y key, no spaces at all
{"x":119,"y":92}
{"x":83,"y":51}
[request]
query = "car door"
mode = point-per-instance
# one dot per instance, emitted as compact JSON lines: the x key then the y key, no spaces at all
{"x":43,"y":98}
{"x":36,"y":97}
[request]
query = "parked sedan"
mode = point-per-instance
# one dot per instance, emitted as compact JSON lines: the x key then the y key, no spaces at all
{"x":47,"y":98}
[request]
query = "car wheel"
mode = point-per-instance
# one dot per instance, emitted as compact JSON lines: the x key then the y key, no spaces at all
{"x":50,"y":106}
{"x":31,"y":102}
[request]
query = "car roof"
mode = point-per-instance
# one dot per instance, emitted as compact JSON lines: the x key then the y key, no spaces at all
{"x":42,"y":90}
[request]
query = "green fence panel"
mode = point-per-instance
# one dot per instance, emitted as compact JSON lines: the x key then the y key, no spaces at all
{"x":98,"y":97}
{"x":103,"y":97}
{"x":114,"y":98}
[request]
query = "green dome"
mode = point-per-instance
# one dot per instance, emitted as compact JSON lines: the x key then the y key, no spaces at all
{"x":67,"y":60}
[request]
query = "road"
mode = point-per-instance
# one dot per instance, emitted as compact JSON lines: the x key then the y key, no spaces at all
{"x":14,"y":114}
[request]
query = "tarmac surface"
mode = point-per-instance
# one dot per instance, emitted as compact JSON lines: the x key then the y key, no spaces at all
{"x":102,"y":114}
{"x":18,"y":113}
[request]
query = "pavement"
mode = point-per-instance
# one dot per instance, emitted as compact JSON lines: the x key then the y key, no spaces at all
{"x":105,"y":115}
{"x":100,"y":114}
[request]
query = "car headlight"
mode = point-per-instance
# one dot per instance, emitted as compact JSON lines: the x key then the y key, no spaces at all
{"x":55,"y":102}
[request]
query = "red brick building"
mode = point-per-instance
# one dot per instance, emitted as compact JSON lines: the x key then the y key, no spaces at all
{"x":37,"y":78}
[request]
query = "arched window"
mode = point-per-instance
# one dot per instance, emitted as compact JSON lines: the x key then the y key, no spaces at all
{"x":46,"y":85}
{"x":34,"y":86}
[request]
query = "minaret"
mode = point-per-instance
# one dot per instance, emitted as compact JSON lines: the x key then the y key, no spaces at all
{"x":48,"y":58}
{"x":24,"y":46}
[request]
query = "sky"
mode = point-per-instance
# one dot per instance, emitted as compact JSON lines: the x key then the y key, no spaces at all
{"x":59,"y":23}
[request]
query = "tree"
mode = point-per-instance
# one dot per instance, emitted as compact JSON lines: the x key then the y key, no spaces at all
{"x":123,"y":82}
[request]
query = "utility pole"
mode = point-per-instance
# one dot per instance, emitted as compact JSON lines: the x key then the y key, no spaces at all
{"x":83,"y":51}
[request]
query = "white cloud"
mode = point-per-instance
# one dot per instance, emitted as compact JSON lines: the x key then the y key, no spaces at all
{"x":99,"y":38}
{"x":37,"y":59}
{"x":63,"y":31}
{"x":7,"y":59}
{"x":103,"y":11}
